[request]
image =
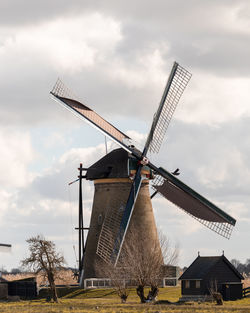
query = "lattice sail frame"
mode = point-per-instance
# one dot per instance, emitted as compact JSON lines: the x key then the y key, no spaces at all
{"x":109,"y":231}
{"x":61,"y":90}
{"x":66,"y":97}
{"x":176,"y":84}
{"x":223,"y":229}
{"x":115,"y":225}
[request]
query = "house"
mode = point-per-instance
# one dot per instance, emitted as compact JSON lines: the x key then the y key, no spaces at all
{"x":209,"y":274}
{"x":3,"y":288}
{"x":23,"y":288}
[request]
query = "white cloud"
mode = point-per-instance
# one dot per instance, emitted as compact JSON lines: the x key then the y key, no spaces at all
{"x":146,"y":70}
{"x":173,"y":219}
{"x":68,"y":44}
{"x":16,"y":155}
{"x":240,"y":210}
{"x":54,"y":139}
{"x":5,"y":200}
{"x":47,"y":205}
{"x":119,"y":58}
{"x":213,"y":100}
{"x":221,"y":168}
{"x":138,"y":139}
{"x":85,"y":155}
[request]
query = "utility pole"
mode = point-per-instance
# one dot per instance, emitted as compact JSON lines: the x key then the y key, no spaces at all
{"x":80,"y":221}
{"x":80,"y":228}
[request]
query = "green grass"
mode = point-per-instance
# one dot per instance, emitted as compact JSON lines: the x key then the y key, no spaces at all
{"x":106,"y":301}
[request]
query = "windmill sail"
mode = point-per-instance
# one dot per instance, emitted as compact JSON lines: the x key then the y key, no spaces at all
{"x":4,"y":247}
{"x":68,"y":100}
{"x":114,"y":227}
{"x":109,"y":231}
{"x":135,"y":188}
{"x":176,"y":84}
{"x":194,"y":204}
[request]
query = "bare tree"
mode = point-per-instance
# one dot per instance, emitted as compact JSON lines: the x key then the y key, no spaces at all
{"x":213,"y":290}
{"x":147,"y":266}
{"x":141,"y":265}
{"x":170,"y":253}
{"x":45,"y":260}
{"x":119,"y":277}
{"x":235,"y":263}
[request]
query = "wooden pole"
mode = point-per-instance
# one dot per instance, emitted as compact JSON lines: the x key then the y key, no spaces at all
{"x":80,"y":220}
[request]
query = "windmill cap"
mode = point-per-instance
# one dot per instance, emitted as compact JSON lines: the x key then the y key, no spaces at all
{"x":114,"y":165}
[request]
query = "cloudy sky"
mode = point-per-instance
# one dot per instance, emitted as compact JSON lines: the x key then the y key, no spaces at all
{"x":116,"y":56}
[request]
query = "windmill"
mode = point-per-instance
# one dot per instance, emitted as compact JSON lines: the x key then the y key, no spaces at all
{"x":128,"y":205}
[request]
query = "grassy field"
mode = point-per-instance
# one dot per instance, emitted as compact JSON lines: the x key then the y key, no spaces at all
{"x":106,"y":300}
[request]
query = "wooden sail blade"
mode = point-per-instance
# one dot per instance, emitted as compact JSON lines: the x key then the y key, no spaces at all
{"x":63,"y":95}
{"x":195,"y":205}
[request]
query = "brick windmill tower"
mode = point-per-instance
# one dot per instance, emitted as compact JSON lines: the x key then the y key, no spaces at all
{"x":121,"y":178}
{"x":113,"y":177}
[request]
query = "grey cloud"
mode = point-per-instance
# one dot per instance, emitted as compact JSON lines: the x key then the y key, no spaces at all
{"x":18,"y":228}
{"x":30,"y":12}
{"x":191,"y":147}
{"x":227,"y":57}
{"x":188,"y":31}
{"x":182,"y":26}
{"x":188,"y":147}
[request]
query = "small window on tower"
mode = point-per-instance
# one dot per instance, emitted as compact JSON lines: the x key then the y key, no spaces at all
{"x":99,"y":219}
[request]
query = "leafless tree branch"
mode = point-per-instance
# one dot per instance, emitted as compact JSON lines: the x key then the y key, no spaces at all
{"x":45,"y":260}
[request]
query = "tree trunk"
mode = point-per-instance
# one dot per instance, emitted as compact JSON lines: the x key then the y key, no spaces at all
{"x":123,"y":298}
{"x":153,"y":293}
{"x":218,"y":298}
{"x":140,"y":293}
{"x":54,"y":293}
{"x":122,"y":293}
{"x":52,"y":287}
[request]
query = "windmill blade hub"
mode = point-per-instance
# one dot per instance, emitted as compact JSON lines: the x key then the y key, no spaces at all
{"x":144,"y":161}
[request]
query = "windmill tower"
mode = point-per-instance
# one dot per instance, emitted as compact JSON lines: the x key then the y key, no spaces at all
{"x":113,"y":178}
{"x":122,"y":177}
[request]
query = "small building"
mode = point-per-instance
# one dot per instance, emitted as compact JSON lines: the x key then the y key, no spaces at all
{"x":210,"y":274}
{"x":23,"y":288}
{"x":3,"y":288}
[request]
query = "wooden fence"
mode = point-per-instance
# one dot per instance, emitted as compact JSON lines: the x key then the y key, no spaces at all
{"x":245,"y":292}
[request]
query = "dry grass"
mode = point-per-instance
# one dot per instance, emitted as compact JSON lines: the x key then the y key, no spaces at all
{"x":106,"y":301}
